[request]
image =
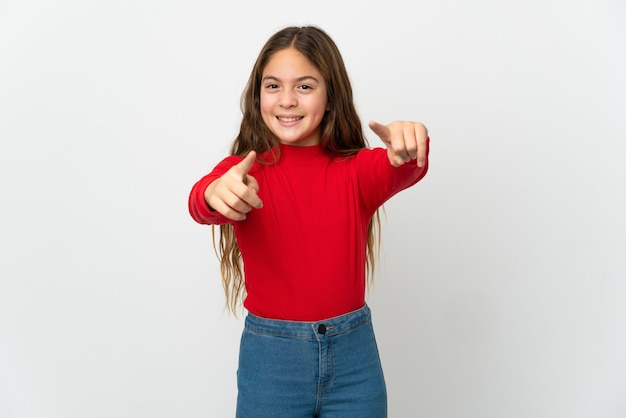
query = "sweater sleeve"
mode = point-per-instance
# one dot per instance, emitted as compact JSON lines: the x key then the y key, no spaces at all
{"x":379,"y":180}
{"x":198,"y":207}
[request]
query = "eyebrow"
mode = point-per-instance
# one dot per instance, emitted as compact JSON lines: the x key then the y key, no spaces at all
{"x":299,"y":79}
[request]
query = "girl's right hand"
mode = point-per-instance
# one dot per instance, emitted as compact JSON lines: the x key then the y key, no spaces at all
{"x":235,"y":193}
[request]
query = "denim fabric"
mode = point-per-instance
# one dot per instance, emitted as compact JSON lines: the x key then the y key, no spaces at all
{"x":324,"y":369}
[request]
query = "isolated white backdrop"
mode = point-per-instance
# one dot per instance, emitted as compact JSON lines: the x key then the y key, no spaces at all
{"x":502,"y":290}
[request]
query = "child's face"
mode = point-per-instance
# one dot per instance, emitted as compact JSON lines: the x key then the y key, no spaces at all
{"x":293,"y":98}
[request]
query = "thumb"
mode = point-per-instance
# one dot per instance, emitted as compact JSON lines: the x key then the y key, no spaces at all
{"x":246,"y":164}
{"x":383,"y":132}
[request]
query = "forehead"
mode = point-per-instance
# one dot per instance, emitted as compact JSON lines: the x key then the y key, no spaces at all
{"x":290,"y":62}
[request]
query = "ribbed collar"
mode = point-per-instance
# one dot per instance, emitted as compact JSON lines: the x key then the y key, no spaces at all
{"x":312,"y":152}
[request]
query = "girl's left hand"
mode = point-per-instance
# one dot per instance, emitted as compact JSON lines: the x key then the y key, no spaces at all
{"x":405,"y":141}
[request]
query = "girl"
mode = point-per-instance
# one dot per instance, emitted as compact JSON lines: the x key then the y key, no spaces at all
{"x":297,"y":206}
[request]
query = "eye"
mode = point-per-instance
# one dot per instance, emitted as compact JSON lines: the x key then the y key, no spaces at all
{"x":305,"y":87}
{"x":271,"y":86}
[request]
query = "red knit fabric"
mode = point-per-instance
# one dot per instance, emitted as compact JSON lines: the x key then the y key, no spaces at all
{"x":304,"y":251}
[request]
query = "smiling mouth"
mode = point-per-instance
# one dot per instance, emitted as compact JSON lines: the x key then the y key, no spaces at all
{"x":289,"y":119}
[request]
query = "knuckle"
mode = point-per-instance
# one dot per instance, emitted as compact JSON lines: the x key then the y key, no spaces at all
{"x":233,"y":201}
{"x":397,"y":146}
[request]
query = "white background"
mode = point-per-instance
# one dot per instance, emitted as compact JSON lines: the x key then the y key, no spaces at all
{"x":502,"y":289}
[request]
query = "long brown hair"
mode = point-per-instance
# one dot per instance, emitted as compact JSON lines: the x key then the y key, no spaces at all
{"x":341,"y":135}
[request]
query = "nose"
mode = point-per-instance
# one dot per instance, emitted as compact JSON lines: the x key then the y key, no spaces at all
{"x":288,"y":99}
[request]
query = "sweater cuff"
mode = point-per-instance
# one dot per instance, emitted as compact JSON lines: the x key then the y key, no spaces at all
{"x":198,"y":207}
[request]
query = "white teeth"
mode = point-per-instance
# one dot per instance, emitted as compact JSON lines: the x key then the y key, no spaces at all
{"x":289,"y":119}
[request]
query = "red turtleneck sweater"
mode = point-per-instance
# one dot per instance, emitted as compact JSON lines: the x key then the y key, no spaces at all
{"x":304,"y":252}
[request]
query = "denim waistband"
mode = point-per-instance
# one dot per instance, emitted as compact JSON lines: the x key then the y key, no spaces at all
{"x":305,"y":329}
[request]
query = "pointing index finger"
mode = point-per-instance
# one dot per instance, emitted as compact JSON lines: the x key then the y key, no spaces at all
{"x":383,"y":132}
{"x":245,"y":165}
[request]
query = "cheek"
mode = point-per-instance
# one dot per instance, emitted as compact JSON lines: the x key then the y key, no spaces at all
{"x":322,"y":108}
{"x":266,"y":105}
{"x":322,"y":103}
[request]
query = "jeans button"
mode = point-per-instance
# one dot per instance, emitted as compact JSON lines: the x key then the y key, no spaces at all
{"x":321,"y":328}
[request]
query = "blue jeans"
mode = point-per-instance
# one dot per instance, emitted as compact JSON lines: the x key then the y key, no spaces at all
{"x":324,"y":369}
